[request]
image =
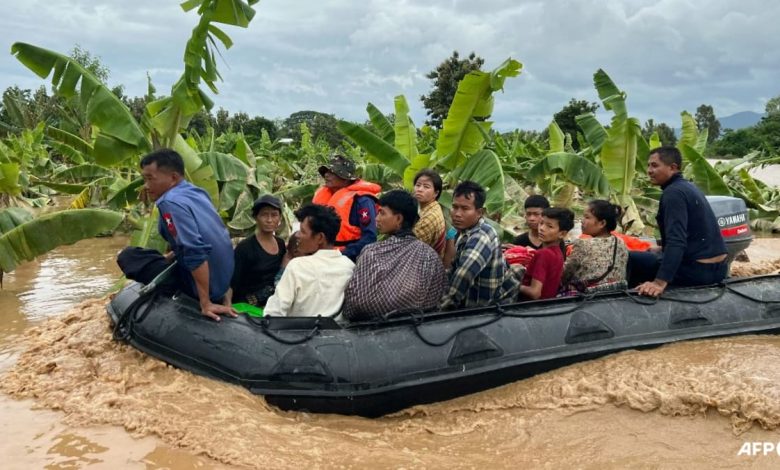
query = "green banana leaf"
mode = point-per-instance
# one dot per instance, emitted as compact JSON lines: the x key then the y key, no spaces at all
{"x":64,"y":188}
{"x":466,"y":124}
{"x":484,"y":168}
{"x":118,"y":134}
{"x":9,"y":179}
{"x":33,"y":238}
{"x":575,"y":169}
{"x":375,"y":146}
{"x":619,"y":153}
{"x":196,"y":171}
{"x":690,"y":132}
{"x":703,"y":174}
{"x":12,"y":217}
{"x":592,"y":130}
{"x":613,"y":99}
{"x":557,"y":139}
{"x":405,"y":133}
{"x":382,"y":125}
{"x":751,"y":187}
{"x":86,"y":172}
{"x":126,"y":195}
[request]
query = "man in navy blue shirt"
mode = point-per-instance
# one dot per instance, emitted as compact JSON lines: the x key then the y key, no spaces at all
{"x":693,"y":250}
{"x":194,"y":231}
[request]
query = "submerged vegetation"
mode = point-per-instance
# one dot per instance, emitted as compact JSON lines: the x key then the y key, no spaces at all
{"x":83,"y":144}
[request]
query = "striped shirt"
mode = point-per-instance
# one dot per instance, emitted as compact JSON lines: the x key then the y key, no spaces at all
{"x":480,"y":275}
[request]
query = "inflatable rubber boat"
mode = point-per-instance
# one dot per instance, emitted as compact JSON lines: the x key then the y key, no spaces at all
{"x":370,"y":369}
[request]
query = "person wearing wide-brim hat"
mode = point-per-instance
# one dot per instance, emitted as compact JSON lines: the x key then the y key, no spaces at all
{"x":259,"y":256}
{"x":354,"y":201}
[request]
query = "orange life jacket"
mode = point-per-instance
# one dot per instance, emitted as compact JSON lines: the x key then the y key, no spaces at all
{"x":342,"y":201}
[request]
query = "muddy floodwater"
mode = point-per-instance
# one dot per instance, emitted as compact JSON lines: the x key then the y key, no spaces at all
{"x":72,"y":398}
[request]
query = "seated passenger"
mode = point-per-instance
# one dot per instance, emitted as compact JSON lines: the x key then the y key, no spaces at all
{"x":313,"y":285}
{"x":397,"y":273}
{"x":534,"y":205}
{"x":694,"y":252}
{"x":431,"y":228}
{"x":259,"y":256}
{"x":543,"y":276}
{"x":597,"y":264}
{"x":480,"y":275}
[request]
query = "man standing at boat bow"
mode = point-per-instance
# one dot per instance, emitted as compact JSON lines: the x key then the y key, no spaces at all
{"x":692,"y":248}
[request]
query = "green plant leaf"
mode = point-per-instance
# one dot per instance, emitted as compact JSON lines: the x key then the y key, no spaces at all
{"x":383,"y":126}
{"x":593,"y":131}
{"x":690,"y":132}
{"x":38,"y":236}
{"x":375,"y":146}
{"x":484,"y":168}
{"x":557,"y":138}
{"x":12,"y":217}
{"x":119,"y":135}
{"x":704,"y":175}
{"x":575,"y":169}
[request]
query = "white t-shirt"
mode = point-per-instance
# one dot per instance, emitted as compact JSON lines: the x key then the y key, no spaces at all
{"x":311,"y":285}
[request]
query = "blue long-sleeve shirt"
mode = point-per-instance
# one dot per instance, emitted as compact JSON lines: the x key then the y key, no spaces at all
{"x":195,"y":232}
{"x":363,"y":215}
{"x":689,"y":228}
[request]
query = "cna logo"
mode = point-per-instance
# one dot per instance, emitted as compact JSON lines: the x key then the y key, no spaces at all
{"x":754,"y":449}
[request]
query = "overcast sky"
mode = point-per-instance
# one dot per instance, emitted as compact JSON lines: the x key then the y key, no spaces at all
{"x":335,"y":56}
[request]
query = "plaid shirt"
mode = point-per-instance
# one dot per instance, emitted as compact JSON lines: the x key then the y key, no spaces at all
{"x":480,"y":275}
{"x":398,"y":273}
{"x":431,"y":227}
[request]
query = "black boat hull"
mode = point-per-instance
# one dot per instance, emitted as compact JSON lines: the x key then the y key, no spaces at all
{"x":371,"y":369}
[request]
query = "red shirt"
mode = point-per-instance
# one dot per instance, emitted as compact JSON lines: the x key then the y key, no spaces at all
{"x":547,"y":268}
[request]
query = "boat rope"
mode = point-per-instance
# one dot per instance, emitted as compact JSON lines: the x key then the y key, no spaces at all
{"x":123,"y":329}
{"x":264,"y":324}
{"x":417,"y":321}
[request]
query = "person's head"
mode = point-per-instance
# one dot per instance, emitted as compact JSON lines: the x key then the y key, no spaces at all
{"x":600,"y":218}
{"x":534,"y":205}
{"x":427,"y":186}
{"x":397,"y":211}
{"x":468,"y":202}
{"x":293,"y":248}
{"x":662,"y":164}
{"x":338,"y":173}
{"x":267,"y":212}
{"x":319,"y":227}
{"x":555,"y":224}
{"x":162,"y":170}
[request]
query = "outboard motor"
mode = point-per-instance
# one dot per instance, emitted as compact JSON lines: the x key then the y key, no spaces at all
{"x":734,"y":223}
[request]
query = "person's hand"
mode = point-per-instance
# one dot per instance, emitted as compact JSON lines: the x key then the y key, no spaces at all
{"x":652,"y":288}
{"x":507,"y":246}
{"x":214,"y":311}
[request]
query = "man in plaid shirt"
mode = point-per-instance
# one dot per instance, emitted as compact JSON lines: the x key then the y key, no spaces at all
{"x":480,"y":275}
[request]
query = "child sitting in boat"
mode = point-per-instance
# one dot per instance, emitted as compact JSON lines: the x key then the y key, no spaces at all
{"x":597,"y":264}
{"x":313,"y":285}
{"x":400,"y":272}
{"x":543,"y":276}
{"x":259,"y":256}
{"x":480,"y":275}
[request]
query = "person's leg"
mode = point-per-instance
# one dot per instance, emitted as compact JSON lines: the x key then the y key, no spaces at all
{"x":141,"y":264}
{"x":700,"y":274}
{"x":642,"y":267}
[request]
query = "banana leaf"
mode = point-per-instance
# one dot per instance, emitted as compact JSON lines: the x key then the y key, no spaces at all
{"x":125,"y":195}
{"x":9,"y":179}
{"x":382,"y":125}
{"x":557,"y":139}
{"x":118,"y":134}
{"x":375,"y":146}
{"x":575,"y":169}
{"x":690,"y":132}
{"x":466,"y":123}
{"x":242,"y":216}
{"x":703,"y":174}
{"x":13,"y":217}
{"x":484,"y":168}
{"x":64,"y":188}
{"x":146,"y":234}
{"x":196,"y":171}
{"x":613,"y":99}
{"x":751,"y":187}
{"x":86,"y":172}
{"x":83,"y":199}
{"x":33,"y":238}
{"x":592,"y":130}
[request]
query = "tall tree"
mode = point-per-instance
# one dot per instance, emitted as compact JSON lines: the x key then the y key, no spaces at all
{"x":665,"y":133}
{"x":565,"y":117}
{"x":445,"y":83}
{"x":773,"y":105}
{"x":705,"y":119}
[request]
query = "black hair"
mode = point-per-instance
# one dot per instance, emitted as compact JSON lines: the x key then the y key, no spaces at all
{"x":604,"y":210}
{"x":165,"y":158}
{"x":564,"y":216}
{"x":668,"y":155}
{"x":536,"y":200}
{"x":471,"y":190}
{"x":433,"y":176}
{"x":322,"y":219}
{"x":401,"y":202}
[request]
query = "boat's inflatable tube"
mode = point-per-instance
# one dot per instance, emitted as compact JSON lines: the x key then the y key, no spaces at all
{"x":371,"y":369}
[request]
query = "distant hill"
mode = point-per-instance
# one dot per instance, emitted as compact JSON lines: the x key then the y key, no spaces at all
{"x":740,"y":120}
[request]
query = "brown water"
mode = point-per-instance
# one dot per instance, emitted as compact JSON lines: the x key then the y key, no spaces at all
{"x":685,"y":405}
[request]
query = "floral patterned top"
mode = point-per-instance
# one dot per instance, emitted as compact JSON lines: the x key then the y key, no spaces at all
{"x":586,"y":267}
